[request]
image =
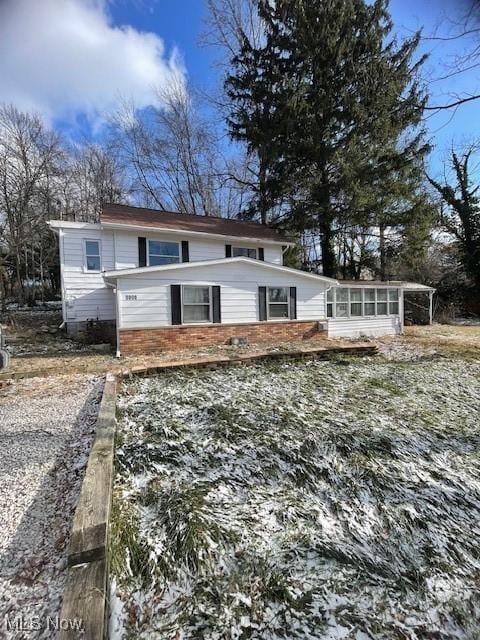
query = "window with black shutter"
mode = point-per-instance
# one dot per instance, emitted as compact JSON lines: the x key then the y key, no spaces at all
{"x":176,"y":303}
{"x":142,"y":252}
{"x":262,"y":303}
{"x":185,"y":251}
{"x":216,"y":305}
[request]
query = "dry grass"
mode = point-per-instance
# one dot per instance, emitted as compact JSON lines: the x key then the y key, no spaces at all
{"x":463,"y":341}
{"x":449,"y":339}
{"x":60,"y":362}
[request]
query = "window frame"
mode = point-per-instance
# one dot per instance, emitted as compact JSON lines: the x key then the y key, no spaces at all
{"x":197,"y":304}
{"x":268,"y":303}
{"x":179,"y":245}
{"x":390,"y":303}
{"x":87,"y":255}
{"x":248,"y":249}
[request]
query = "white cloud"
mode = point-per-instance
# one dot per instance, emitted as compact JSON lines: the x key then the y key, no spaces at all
{"x":62,"y":57}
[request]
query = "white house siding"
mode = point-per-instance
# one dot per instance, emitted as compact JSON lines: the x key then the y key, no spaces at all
{"x":126,"y":245}
{"x":364,"y":326}
{"x":86,"y":295}
{"x":239,"y":294}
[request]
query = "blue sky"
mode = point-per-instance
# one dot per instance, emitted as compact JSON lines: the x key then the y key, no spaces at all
{"x":180,"y":22}
{"x":79,"y":56}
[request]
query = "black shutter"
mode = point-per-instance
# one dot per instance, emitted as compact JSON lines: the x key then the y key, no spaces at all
{"x":176,"y":299}
{"x":216,"y":313}
{"x":262,"y":303}
{"x":292,"y":304}
{"x":142,"y":252}
{"x":185,"y":251}
{"x":261,"y":253}
{"x":228,"y":251}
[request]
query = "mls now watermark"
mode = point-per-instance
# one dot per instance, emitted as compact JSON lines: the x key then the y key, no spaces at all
{"x":39,"y":623}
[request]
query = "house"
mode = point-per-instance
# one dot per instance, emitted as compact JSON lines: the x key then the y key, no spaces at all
{"x":165,"y":280}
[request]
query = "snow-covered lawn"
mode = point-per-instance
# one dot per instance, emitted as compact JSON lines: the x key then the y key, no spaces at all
{"x":328,"y":499}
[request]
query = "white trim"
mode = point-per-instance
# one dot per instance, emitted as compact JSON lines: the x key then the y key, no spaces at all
{"x":179,"y":245}
{"x":210,"y":305}
{"x":85,"y":256}
{"x":117,"y":320}
{"x":206,"y":263}
{"x":62,"y":273}
{"x":390,"y":284}
{"x":65,"y":224}
{"x":137,"y":227}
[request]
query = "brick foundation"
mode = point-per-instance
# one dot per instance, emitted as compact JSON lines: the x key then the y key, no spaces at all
{"x":134,"y":341}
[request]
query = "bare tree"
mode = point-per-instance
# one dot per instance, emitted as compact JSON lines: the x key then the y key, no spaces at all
{"x":228,"y":23}
{"x":175,"y":155}
{"x":461,"y":212}
{"x":29,"y":155}
{"x":462,"y":29}
{"x":92,"y":177}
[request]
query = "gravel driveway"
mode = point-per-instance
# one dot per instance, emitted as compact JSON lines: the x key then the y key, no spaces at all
{"x":46,"y":429}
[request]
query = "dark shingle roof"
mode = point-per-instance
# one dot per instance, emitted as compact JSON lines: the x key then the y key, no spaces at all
{"x":136,"y":216}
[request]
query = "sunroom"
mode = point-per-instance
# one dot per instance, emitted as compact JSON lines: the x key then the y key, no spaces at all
{"x":360,"y":309}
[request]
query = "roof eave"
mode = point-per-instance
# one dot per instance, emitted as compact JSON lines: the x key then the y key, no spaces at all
{"x":119,"y":273}
{"x":146,"y":228}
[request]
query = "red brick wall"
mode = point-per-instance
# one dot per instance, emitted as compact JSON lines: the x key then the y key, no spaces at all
{"x":183,"y":337}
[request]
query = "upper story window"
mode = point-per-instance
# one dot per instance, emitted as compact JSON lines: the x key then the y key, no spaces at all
{"x":163,"y":252}
{"x":197,"y":304}
{"x":244,"y":252}
{"x":277,"y":302}
{"x":358,"y":301}
{"x":92,"y":255}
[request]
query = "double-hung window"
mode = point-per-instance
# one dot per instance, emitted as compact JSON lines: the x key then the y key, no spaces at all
{"x":244,"y":252}
{"x":163,"y":252}
{"x":330,"y":301}
{"x":382,"y":307}
{"x":277,"y":302}
{"x":356,"y":302}
{"x":92,"y":255}
{"x":341,"y":303}
{"x":369,"y":296}
{"x":393,"y":302}
{"x":196,"y":304}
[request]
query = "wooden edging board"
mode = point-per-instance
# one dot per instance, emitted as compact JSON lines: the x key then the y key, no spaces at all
{"x":85,"y":600}
{"x":84,"y":608}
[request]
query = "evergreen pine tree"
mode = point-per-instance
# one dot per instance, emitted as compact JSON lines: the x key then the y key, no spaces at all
{"x":332,"y":105}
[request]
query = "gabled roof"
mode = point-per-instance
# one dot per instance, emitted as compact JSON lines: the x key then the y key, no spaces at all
{"x":125,"y":215}
{"x":119,"y":273}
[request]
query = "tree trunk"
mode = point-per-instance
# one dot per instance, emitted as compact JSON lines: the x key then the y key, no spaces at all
{"x":383,"y":256}
{"x":262,"y":196}
{"x":326,"y":243}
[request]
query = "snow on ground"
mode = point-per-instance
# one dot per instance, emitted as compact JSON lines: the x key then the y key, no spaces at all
{"x":327,"y":499}
{"x":45,"y":437}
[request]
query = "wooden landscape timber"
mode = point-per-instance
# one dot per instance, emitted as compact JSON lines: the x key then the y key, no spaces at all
{"x":86,"y":595}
